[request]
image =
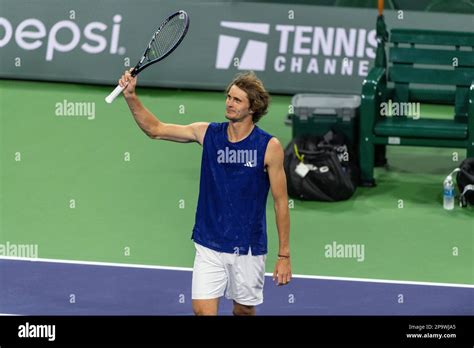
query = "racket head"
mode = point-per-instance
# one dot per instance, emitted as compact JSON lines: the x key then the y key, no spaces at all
{"x":165,"y":40}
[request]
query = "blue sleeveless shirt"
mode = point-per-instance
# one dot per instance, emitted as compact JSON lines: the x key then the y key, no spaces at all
{"x":230,"y":215}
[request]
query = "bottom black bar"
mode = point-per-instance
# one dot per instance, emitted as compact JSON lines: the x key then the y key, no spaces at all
{"x":414,"y":330}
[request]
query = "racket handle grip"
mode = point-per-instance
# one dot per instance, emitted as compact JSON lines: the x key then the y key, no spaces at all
{"x":110,"y":98}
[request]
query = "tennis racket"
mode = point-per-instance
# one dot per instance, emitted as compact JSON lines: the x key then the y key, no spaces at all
{"x":164,"y":41}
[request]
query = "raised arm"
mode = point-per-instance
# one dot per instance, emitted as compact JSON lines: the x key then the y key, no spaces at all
{"x":152,"y":126}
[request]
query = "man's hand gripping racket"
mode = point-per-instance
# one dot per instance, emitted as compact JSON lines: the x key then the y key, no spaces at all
{"x":164,"y":41}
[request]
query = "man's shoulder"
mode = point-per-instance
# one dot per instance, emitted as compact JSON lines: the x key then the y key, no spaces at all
{"x":274,"y":150}
{"x":273,"y":145}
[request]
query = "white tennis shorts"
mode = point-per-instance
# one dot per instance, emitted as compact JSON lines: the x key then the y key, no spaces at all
{"x":240,"y":277}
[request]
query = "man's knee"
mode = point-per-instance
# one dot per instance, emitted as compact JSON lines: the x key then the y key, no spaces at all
{"x":240,"y":309}
{"x":205,"y":307}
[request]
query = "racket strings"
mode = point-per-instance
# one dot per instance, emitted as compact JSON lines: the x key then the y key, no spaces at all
{"x":166,"y":39}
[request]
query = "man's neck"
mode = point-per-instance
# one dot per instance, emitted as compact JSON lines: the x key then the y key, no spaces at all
{"x":237,"y":131}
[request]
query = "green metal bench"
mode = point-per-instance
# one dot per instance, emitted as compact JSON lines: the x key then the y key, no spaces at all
{"x":425,"y":66}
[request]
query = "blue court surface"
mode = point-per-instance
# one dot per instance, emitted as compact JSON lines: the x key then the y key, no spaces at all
{"x":55,"y":287}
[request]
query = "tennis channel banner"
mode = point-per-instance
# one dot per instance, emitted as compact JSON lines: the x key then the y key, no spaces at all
{"x":293,"y":48}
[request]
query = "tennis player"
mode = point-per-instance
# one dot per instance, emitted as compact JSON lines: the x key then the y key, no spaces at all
{"x":240,"y":162}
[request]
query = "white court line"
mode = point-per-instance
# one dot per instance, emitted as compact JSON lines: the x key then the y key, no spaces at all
{"x":388,"y":281}
{"x":94,"y":263}
{"x":303,"y":276}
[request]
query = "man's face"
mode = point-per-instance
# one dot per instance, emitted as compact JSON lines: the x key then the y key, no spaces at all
{"x":237,"y":104}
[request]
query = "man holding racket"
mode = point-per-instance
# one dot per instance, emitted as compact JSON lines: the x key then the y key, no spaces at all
{"x":240,"y":163}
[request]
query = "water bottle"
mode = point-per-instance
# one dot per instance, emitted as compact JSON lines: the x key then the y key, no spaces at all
{"x":448,"y":193}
